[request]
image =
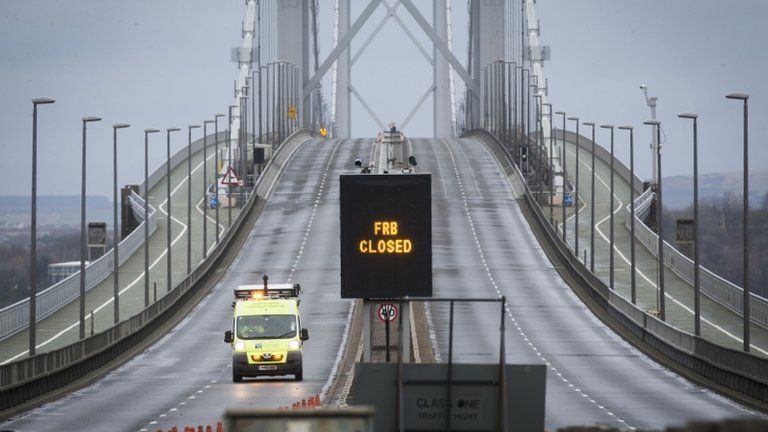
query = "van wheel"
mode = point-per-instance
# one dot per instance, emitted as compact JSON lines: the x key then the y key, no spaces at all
{"x":236,"y":376}
{"x":299,"y":374}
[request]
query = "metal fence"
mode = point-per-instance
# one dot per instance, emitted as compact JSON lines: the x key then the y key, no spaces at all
{"x":713,"y":286}
{"x":30,"y":377}
{"x":15,"y":318}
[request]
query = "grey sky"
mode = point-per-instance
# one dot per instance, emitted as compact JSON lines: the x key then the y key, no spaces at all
{"x":167,"y":63}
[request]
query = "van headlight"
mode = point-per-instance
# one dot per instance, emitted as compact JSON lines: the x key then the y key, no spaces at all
{"x":294,"y":344}
{"x":239,"y":346}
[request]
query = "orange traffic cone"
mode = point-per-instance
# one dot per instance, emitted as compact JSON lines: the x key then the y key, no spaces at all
{"x":219,"y":427}
{"x":208,"y":428}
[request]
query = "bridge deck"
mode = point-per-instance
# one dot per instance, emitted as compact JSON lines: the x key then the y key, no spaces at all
{"x":62,"y":327}
{"x":718,"y":324}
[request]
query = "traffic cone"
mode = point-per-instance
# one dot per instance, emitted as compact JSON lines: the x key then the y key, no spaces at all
{"x":303,"y":403}
{"x":208,"y":428}
{"x":219,"y":427}
{"x":317,"y":400}
{"x":199,"y":428}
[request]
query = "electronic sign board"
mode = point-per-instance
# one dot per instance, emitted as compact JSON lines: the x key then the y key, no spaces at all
{"x":386,"y":235}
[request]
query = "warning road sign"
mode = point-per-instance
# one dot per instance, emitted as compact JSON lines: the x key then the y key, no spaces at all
{"x":387,"y":312}
{"x":292,"y":112}
{"x":230,"y":178}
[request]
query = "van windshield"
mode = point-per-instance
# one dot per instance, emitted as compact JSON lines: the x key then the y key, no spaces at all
{"x":266,"y":327}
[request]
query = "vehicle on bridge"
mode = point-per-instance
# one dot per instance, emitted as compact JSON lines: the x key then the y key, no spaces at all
{"x":266,"y":336}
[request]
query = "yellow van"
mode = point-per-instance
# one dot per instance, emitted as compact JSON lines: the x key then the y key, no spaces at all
{"x":266,"y":336}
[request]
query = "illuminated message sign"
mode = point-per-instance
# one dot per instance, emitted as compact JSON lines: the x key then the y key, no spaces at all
{"x":386,"y":236}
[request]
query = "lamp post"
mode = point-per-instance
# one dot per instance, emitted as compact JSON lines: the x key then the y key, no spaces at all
{"x":229,"y":166}
{"x":551,"y":169}
{"x":115,"y":234}
{"x":632,"y":276}
{"x":562,"y":201}
{"x":146,"y":213}
{"x":169,"y":265}
{"x":83,"y":236}
{"x":216,"y":171}
{"x":205,"y":186}
{"x":659,"y":220}
{"x":610,"y":212}
{"x":576,"y":197}
{"x":592,"y":204}
{"x":538,"y":99}
{"x":189,"y":196}
{"x":745,"y":215}
{"x":696,"y":283}
{"x":33,"y":229}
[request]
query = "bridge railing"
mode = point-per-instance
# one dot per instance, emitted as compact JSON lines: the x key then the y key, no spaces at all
{"x":713,"y":286}
{"x":744,"y":373}
{"x":30,"y":377}
{"x":15,"y":318}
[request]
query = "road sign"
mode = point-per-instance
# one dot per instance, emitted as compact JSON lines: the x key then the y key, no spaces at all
{"x":230,"y":178}
{"x":214,"y":202}
{"x":387,"y":312}
{"x":386,"y":242}
{"x":567,"y":200}
{"x":292,"y":112}
{"x":323,"y":132}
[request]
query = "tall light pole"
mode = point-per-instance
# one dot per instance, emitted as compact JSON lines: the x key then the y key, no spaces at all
{"x":696,"y":282}
{"x":115,"y":234}
{"x":205,"y":186}
{"x":146,"y":213}
{"x":592,"y":204}
{"x":229,"y":166}
{"x":576,"y":197}
{"x":651,"y":102}
{"x":83,"y":228}
{"x":33,"y":229}
{"x":551,"y":167}
{"x":632,"y":276}
{"x":562,"y":201}
{"x":216,"y":171}
{"x":610,"y":212}
{"x":189,"y":196}
{"x":745,"y":215}
{"x":659,"y":220}
{"x":169,"y":264}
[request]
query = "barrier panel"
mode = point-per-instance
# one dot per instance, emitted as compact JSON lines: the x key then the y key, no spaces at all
{"x":31,"y":377}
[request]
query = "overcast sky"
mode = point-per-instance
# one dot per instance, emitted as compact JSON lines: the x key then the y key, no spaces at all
{"x":167,"y":63}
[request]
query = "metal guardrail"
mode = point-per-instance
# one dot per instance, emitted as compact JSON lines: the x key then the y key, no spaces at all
{"x":15,"y":318}
{"x":744,"y":373}
{"x":30,"y":377}
{"x":713,"y":286}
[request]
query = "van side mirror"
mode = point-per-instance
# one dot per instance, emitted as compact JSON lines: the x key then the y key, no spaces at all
{"x":304,"y":334}
{"x":412,"y":160}
{"x":228,"y":336}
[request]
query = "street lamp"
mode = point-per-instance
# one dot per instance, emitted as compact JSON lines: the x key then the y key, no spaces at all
{"x":592,"y":204}
{"x":115,"y":234}
{"x":83,"y":240}
{"x":576,"y":197}
{"x":632,"y":211}
{"x":551,"y":168}
{"x":205,"y":186}
{"x":216,"y":171}
{"x":33,"y":229}
{"x":610,"y":212}
{"x":696,"y":283}
{"x":146,"y":213}
{"x":189,"y":196}
{"x":659,"y":221}
{"x":562,"y":161}
{"x":745,"y":215}
{"x":229,"y":166}
{"x":169,"y":265}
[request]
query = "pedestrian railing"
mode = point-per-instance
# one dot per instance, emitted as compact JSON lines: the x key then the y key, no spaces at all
{"x":713,"y":286}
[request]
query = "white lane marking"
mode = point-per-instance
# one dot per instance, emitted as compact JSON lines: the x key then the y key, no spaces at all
{"x":498,"y":291}
{"x":645,"y":276}
{"x":135,"y":281}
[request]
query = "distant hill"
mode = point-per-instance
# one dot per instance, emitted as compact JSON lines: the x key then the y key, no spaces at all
{"x":678,"y":190}
{"x":53,"y":210}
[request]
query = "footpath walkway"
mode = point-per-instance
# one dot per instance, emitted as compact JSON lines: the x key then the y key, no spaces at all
{"x":62,"y":327}
{"x":718,"y":324}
